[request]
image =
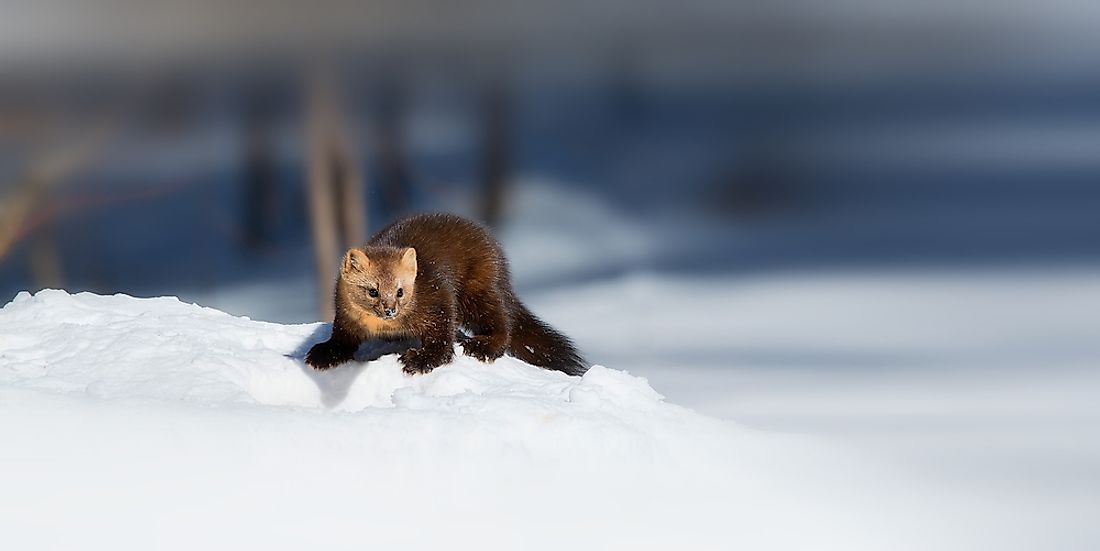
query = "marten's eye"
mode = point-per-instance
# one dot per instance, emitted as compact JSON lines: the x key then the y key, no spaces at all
{"x":372,"y":292}
{"x":400,"y":293}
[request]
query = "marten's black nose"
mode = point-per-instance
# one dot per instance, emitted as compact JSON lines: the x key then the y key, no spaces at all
{"x":390,"y":312}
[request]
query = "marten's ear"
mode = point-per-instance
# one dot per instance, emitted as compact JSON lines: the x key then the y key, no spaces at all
{"x":355,"y":260}
{"x":408,"y":261}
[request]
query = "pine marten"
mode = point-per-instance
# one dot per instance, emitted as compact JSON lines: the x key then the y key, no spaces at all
{"x":427,"y":277}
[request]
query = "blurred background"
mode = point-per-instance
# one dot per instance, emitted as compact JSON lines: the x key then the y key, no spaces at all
{"x":875,"y":221}
{"x":226,"y":152}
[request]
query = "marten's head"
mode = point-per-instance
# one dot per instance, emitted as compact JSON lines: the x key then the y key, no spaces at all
{"x":382,"y":280}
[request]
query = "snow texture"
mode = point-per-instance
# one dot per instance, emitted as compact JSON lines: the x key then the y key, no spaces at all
{"x":151,"y":423}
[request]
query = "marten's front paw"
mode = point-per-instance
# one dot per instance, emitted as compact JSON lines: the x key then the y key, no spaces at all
{"x":482,"y":348}
{"x":415,"y":360}
{"x":325,"y":355}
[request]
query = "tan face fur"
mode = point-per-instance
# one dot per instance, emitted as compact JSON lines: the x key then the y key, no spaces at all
{"x":380,"y":281}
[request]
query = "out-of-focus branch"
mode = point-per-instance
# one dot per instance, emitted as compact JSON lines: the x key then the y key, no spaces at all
{"x":43,"y":173}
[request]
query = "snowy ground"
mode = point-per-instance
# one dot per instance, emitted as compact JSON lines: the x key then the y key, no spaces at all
{"x":861,"y":411}
{"x":983,"y":383}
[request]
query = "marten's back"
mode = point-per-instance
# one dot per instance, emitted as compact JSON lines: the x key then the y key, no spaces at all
{"x":449,"y":247}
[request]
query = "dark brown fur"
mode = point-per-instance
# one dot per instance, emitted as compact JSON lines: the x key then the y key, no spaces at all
{"x":461,"y":280}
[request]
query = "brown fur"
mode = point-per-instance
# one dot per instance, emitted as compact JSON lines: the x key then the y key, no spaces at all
{"x":450,"y":273}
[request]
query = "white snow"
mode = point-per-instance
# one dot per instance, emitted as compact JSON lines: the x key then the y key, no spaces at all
{"x":878,"y":411}
{"x":139,"y":423}
{"x":979,"y":383}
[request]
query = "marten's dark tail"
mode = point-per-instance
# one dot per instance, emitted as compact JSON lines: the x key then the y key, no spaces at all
{"x":539,"y":344}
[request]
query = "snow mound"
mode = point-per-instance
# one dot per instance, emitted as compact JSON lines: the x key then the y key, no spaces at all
{"x":200,"y":429}
{"x":160,"y":348}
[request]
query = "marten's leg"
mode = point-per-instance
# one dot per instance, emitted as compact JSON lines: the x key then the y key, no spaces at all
{"x":487,"y":316}
{"x":437,"y":338}
{"x":339,"y":348}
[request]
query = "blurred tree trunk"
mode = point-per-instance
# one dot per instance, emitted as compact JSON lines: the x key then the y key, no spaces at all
{"x":260,"y":170}
{"x":350,"y":190}
{"x":334,"y":184}
{"x":496,"y":116}
{"x":389,"y":114}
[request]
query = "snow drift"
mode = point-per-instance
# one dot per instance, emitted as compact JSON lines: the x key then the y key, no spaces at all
{"x":142,"y":423}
